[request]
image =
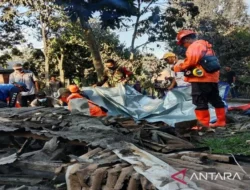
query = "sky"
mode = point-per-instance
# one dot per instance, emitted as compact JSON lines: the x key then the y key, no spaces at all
{"x":248,"y":4}
{"x":124,"y":36}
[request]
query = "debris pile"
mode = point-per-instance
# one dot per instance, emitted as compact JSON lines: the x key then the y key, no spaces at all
{"x":51,"y":148}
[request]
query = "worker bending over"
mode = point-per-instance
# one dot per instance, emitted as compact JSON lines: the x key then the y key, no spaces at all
{"x":9,"y":93}
{"x":73,"y":92}
{"x":43,"y":100}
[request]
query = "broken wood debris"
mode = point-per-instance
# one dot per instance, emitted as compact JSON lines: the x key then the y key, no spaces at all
{"x":46,"y":145}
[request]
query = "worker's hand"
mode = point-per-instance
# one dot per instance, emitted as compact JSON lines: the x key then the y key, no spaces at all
{"x":95,"y":85}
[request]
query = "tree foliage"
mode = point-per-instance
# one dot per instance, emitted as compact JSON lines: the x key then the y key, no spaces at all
{"x":10,"y":32}
{"x":226,"y":27}
{"x":69,"y":48}
{"x":39,"y":15}
{"x":111,"y":12}
{"x":221,"y":23}
{"x":76,"y":49}
{"x":158,"y":21}
{"x":10,"y":28}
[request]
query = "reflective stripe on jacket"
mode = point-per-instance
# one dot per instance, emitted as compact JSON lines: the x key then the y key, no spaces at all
{"x":10,"y":92}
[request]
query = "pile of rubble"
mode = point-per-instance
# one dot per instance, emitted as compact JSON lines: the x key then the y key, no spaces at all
{"x":51,"y":148}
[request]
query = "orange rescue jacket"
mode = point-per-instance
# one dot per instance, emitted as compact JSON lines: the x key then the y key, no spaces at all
{"x":194,"y":54}
{"x":94,"y":110}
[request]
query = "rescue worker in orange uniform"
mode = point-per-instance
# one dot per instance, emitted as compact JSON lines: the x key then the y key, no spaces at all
{"x":75,"y":92}
{"x":94,"y":109}
{"x":204,"y":88}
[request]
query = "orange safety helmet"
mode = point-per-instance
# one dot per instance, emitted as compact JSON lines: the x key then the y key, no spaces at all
{"x":73,"y":88}
{"x":182,"y":34}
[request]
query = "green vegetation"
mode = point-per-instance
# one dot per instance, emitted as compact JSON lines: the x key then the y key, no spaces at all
{"x":78,"y":36}
{"x":235,"y":144}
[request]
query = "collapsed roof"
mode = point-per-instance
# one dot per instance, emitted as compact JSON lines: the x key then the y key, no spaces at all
{"x":41,"y":147}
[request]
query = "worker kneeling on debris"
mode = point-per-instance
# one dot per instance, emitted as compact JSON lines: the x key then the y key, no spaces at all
{"x":201,"y":69}
{"x":9,"y":93}
{"x":73,"y":92}
{"x":43,"y":100}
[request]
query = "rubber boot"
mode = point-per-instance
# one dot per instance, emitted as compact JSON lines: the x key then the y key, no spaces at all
{"x":221,"y":118}
{"x":203,"y":118}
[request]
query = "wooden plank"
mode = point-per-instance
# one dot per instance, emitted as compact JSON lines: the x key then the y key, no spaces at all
{"x":191,"y":159}
{"x":97,"y":178}
{"x":113,"y":175}
{"x":134,"y":181}
{"x":91,"y":153}
{"x":124,"y":175}
{"x":217,"y":157}
{"x":171,"y":137}
{"x":24,"y":146}
{"x":37,"y":165}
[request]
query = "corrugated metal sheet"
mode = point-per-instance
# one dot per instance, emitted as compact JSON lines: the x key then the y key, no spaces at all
{"x":156,"y":171}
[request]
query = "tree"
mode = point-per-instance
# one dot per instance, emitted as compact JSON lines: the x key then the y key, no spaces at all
{"x":72,"y":55}
{"x":145,"y":25}
{"x":226,"y":27}
{"x":66,"y":36}
{"x":234,"y":11}
{"x":225,"y":24}
{"x":10,"y":32}
{"x":40,"y":14}
{"x":111,"y":13}
{"x":4,"y":59}
{"x":157,"y":20}
{"x":32,"y":58}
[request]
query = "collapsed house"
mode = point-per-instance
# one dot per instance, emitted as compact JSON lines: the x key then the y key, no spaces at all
{"x":142,"y":144}
{"x":51,"y":148}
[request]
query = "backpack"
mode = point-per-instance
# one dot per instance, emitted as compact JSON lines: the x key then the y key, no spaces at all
{"x":210,"y":63}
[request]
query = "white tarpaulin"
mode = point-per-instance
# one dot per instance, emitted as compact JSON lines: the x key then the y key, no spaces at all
{"x":176,"y":107}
